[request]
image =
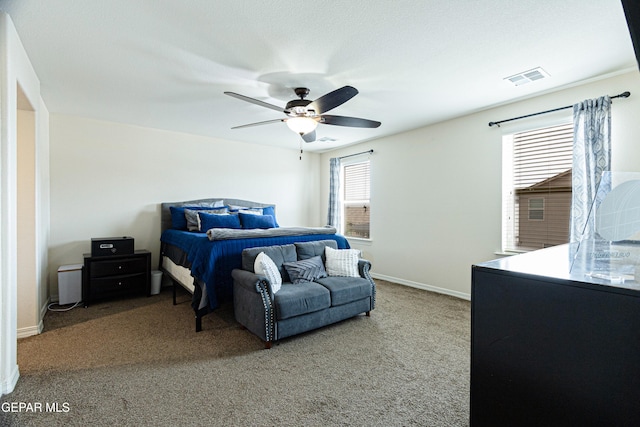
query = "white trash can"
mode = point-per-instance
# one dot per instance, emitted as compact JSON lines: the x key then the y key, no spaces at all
{"x":69,"y":284}
{"x":156,"y":281}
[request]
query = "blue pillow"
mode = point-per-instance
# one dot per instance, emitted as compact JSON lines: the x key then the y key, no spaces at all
{"x":179,"y":220}
{"x":256,"y":221}
{"x":192,"y":216}
{"x":208,"y":221}
{"x":270,"y":210}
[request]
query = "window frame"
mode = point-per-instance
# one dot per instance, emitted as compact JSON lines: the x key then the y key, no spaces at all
{"x":344,"y":203}
{"x":510,"y":214}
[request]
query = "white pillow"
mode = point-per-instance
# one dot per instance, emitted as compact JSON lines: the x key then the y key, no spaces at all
{"x":342,"y":262}
{"x":264,"y":266}
{"x":251,"y":211}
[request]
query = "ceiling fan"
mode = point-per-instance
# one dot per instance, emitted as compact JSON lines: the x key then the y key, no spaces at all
{"x":304,"y":115}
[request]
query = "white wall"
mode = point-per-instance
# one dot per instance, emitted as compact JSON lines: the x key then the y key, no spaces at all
{"x":108,"y":179}
{"x":436,"y":191}
{"x":16,"y":70}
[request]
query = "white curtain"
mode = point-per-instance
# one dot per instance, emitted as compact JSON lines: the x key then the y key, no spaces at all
{"x":591,"y":157}
{"x":333,"y":215}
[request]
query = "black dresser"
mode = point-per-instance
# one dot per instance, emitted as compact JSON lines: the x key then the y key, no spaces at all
{"x":116,"y":276}
{"x":550,"y":348}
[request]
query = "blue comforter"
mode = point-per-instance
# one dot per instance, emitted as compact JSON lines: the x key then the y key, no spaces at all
{"x":212,"y":261}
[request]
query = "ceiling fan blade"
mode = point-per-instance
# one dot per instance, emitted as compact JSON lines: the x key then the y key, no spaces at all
{"x":255,"y":101}
{"x":349,"y":121}
{"x":333,"y":99}
{"x":309,"y":137}
{"x":266,"y":122}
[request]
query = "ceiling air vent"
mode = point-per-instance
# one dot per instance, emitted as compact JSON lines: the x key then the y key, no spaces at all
{"x":326,"y":139}
{"x":527,"y":76}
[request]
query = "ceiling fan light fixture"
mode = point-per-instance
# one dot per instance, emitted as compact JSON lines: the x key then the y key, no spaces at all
{"x":302,"y":125}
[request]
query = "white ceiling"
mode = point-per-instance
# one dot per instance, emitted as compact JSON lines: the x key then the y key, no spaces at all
{"x":165,"y":63}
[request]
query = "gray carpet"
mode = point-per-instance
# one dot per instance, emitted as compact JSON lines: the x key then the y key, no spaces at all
{"x":138,"y":362}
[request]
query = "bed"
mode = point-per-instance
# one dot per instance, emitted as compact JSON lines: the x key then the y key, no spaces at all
{"x":201,"y":262}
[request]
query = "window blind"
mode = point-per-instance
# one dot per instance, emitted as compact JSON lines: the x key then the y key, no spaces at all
{"x":356,"y":181}
{"x":541,"y":154}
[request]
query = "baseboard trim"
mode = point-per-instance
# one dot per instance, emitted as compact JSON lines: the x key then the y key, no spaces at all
{"x":9,"y":384}
{"x":34,"y":330}
{"x":30,"y":330}
{"x":422,"y":286}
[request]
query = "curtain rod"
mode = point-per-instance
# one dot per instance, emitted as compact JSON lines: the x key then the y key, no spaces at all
{"x":622,"y":95}
{"x":357,"y":154}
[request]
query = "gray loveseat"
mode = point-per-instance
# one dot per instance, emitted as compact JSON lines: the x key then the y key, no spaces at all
{"x":297,"y":308}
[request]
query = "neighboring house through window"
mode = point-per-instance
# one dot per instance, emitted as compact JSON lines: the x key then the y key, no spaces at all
{"x":356,"y":212}
{"x":537,"y":188}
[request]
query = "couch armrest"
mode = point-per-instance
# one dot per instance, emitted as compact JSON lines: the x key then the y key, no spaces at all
{"x":253,"y":303}
{"x":364,"y":266}
{"x":250,"y":281}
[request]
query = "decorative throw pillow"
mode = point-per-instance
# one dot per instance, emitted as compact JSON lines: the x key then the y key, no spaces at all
{"x":270,"y":210}
{"x":305,"y":270}
{"x":264,"y":266}
{"x":193,"y":220}
{"x":178,"y":219}
{"x":342,"y":262}
{"x":209,"y":221}
{"x":256,"y":221}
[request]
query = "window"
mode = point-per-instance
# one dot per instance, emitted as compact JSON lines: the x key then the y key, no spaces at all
{"x":356,"y":210}
{"x":536,"y":209}
{"x":537,"y":188}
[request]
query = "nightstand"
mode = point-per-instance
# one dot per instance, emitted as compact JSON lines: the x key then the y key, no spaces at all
{"x":116,"y":276}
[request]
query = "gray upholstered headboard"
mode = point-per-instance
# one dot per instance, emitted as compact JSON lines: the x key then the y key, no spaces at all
{"x":165,"y":211}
